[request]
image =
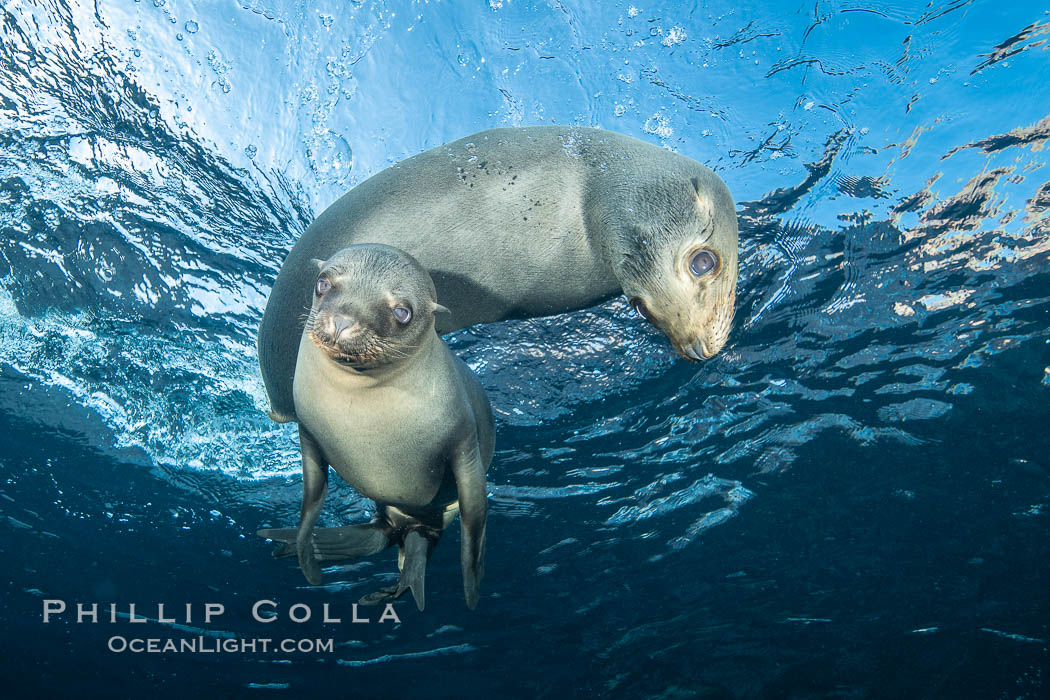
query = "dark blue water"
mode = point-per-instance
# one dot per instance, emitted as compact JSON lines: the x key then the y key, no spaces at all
{"x":852,"y":500}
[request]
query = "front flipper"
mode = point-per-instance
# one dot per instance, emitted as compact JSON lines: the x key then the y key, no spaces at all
{"x":473,"y":512}
{"x":415,"y":550}
{"x":331,"y":543}
{"x":315,"y":486}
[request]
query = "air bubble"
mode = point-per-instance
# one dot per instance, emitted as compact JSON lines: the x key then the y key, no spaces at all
{"x":192,"y":27}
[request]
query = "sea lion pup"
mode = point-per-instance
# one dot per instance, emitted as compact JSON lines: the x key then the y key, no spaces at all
{"x":532,"y":221}
{"x":380,"y":398}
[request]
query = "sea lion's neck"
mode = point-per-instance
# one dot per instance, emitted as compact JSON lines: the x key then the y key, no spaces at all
{"x":609,"y":232}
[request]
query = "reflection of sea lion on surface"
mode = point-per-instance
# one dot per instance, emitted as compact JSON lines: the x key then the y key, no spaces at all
{"x":532,"y":221}
{"x":380,"y":398}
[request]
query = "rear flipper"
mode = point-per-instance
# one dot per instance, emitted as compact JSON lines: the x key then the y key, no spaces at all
{"x":415,"y":550}
{"x":331,"y":543}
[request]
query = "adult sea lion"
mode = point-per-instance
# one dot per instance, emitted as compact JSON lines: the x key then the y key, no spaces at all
{"x":380,"y":398}
{"x":532,"y":221}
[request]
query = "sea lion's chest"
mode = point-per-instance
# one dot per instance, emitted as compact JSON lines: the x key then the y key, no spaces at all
{"x":390,"y":443}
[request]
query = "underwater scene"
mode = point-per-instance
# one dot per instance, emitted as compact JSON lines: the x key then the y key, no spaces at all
{"x":850,"y":500}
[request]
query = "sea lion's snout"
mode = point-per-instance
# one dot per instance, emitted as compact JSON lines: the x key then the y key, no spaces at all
{"x":343,"y":337}
{"x":705,"y":344}
{"x":706,"y":328}
{"x":695,"y":347}
{"x":697,"y":351}
{"x":340,"y":324}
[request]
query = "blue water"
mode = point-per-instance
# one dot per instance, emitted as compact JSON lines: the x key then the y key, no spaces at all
{"x":852,"y":500}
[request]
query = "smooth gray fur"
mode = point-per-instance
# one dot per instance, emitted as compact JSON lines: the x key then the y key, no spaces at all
{"x":412,"y":431}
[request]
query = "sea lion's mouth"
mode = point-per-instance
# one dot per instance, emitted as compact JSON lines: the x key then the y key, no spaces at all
{"x":345,"y":359}
{"x":367,"y":355}
{"x":695,"y":353}
{"x":690,"y":354}
{"x":698,"y":351}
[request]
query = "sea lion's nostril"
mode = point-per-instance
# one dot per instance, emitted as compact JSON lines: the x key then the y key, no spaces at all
{"x":340,"y":323}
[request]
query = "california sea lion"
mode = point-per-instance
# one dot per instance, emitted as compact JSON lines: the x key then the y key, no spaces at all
{"x":380,"y":398}
{"x":532,"y":221}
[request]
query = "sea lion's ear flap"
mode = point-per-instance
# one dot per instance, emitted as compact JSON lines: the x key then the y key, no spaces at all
{"x":439,"y":309}
{"x":319,"y":263}
{"x":703,"y":202}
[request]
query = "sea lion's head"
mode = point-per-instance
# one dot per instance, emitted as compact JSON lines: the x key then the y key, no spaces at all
{"x":373,"y":305}
{"x":678,"y":261}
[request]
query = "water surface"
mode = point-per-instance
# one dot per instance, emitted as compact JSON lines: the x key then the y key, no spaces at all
{"x":850,"y":501}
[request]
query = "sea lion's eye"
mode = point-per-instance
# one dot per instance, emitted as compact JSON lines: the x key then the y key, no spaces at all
{"x":703,"y":262}
{"x":323,"y":286}
{"x":403,"y":314}
{"x":639,"y":307}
